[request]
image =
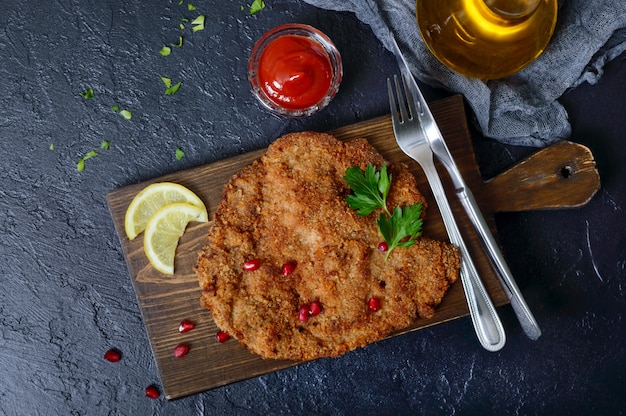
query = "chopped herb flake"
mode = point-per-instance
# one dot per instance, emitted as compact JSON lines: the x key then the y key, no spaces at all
{"x":191,"y":7}
{"x":51,"y":146}
{"x":87,"y":94}
{"x":179,"y":153}
{"x":90,"y":154}
{"x":126,"y":114}
{"x":165,"y":51}
{"x":180,"y":42}
{"x":80,"y":165}
{"x":198,"y":23}
{"x":169,"y":88}
{"x":105,"y":144}
{"x":256,"y":6}
{"x":172,"y":90}
{"x":181,"y":26}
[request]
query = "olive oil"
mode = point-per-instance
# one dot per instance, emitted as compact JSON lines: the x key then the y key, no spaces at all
{"x":486,"y":39}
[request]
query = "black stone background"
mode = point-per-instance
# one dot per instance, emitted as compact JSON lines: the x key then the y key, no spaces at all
{"x":65,"y":293}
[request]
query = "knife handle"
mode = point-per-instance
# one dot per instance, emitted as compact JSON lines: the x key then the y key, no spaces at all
{"x":521,"y":309}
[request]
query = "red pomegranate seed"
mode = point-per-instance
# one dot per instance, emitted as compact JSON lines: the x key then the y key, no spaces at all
{"x":303,"y":313}
{"x":186,"y":326}
{"x":152,"y":392}
{"x":383,"y":246}
{"x":373,"y":304}
{"x":113,"y":355}
{"x":289,"y":268}
{"x":252,"y":265}
{"x":315,"y":308}
{"x":222,"y":337}
{"x":181,"y":350}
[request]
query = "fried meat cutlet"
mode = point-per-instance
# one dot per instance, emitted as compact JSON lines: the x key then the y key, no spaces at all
{"x":289,"y":207}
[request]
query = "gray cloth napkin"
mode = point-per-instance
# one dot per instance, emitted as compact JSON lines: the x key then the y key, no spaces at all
{"x":521,"y":109}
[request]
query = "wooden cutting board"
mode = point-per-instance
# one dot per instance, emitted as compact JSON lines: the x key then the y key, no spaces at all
{"x":560,"y":176}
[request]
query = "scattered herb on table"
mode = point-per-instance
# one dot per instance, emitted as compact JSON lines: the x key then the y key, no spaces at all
{"x":198,"y":23}
{"x":370,"y":189}
{"x":51,"y":146}
{"x":126,"y":114}
{"x":165,"y":51}
{"x":256,"y":6}
{"x":179,"y":153}
{"x":80,"y":166}
{"x":191,"y":7}
{"x":87,"y":94}
{"x":169,"y":88}
{"x":105,"y":145}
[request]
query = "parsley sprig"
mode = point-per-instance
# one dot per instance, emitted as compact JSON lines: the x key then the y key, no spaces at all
{"x":370,"y":189}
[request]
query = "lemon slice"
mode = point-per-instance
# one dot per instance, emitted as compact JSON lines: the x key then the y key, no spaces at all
{"x":163,"y":232}
{"x":154,"y":197}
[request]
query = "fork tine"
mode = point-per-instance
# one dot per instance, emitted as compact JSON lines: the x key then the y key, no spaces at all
{"x":392,"y":101}
{"x":402,"y":99}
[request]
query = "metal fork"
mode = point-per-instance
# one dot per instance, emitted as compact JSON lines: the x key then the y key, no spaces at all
{"x":411,"y":139}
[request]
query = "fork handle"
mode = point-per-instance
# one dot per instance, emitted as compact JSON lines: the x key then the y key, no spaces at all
{"x":484,"y":317}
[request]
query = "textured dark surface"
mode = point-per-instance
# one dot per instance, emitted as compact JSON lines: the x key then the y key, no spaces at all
{"x":65,"y":294}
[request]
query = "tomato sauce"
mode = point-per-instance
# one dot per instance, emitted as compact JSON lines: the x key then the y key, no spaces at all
{"x":295,"y":72}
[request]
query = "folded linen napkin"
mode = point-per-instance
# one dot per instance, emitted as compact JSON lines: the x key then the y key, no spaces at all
{"x":521,"y":109}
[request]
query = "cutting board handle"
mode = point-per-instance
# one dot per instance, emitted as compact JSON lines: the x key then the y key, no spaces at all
{"x":563,"y":175}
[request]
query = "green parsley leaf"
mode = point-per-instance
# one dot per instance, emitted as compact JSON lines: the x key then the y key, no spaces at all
{"x":90,"y":154}
{"x":126,"y":114}
{"x":87,"y":94}
{"x":198,"y":23}
{"x":165,"y":51}
{"x":51,"y":146}
{"x":181,"y":26}
{"x":179,"y":153}
{"x":191,"y":7}
{"x":105,"y":144}
{"x":402,"y":228}
{"x":256,"y":6}
{"x":115,"y":108}
{"x":370,"y":189}
{"x":169,"y":88}
{"x":80,"y":166}
{"x":180,"y":42}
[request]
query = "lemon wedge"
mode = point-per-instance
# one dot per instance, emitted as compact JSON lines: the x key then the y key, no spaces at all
{"x":152,"y":198}
{"x":164,"y":230}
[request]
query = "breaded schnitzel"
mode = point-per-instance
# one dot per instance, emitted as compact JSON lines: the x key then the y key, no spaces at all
{"x":287,"y":213}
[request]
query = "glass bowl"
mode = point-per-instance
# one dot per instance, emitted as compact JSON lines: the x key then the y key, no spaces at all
{"x":295,"y":70}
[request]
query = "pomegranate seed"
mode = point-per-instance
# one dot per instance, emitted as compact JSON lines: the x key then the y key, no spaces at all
{"x":383,"y":246}
{"x":186,"y":326}
{"x":315,"y":308}
{"x":252,"y":265}
{"x":152,"y":392}
{"x":222,"y":337}
{"x":289,"y":268}
{"x":113,"y":355}
{"x":303,"y":313}
{"x":181,"y":350}
{"x":373,"y":304}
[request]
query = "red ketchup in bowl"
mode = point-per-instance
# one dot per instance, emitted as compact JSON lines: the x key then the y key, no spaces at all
{"x":294,"y":70}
